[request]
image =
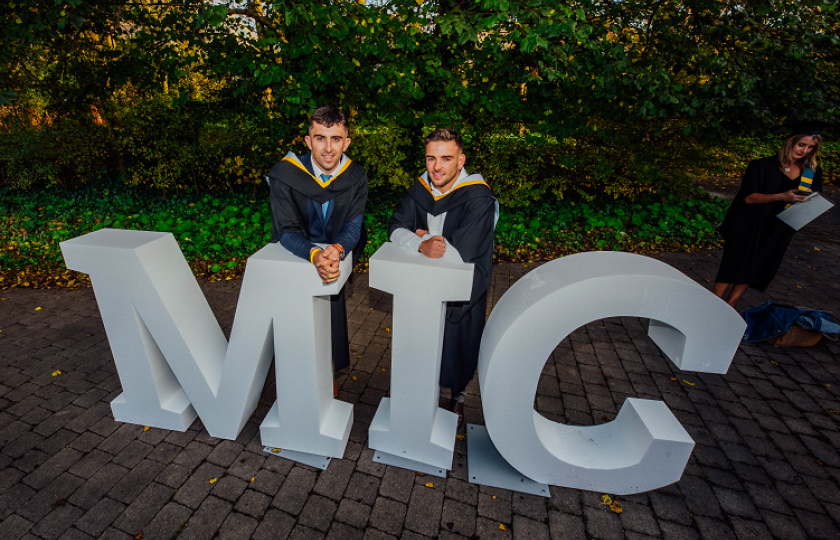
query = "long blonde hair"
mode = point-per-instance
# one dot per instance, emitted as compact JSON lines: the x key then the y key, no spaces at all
{"x":786,"y":151}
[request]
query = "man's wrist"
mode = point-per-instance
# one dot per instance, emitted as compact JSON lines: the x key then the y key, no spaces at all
{"x":312,"y":253}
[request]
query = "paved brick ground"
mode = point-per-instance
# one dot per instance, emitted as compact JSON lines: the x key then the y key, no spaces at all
{"x":766,"y":463}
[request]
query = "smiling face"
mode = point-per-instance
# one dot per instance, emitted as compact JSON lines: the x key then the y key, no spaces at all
{"x":327,"y":145}
{"x":444,"y":161}
{"x":803,"y":147}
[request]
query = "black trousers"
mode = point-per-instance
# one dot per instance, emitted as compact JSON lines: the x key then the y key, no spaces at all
{"x":340,"y":339}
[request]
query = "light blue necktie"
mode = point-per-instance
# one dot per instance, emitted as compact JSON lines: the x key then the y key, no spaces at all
{"x":326,"y":205}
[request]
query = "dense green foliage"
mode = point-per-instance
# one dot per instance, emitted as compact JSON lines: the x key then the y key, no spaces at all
{"x":217,"y":233}
{"x":168,"y":93}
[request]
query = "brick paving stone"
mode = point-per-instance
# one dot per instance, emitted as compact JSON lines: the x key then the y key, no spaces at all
{"x":333,"y":481}
{"x":40,"y":505}
{"x":750,"y":529}
{"x":12,"y":498}
{"x":52,"y":468}
{"x":143,"y":508}
{"x":397,"y":484}
{"x":458,"y":517}
{"x":363,"y":488}
{"x":293,"y":493}
{"x":817,"y":526}
{"x":14,"y":527}
{"x":207,"y":519}
{"x":100,"y":517}
{"x":387,"y":515}
{"x":237,"y":527}
{"x":699,"y":497}
{"x":565,"y":499}
{"x":353,"y":513}
{"x":562,"y":526}
{"x":198,"y":486}
{"x":601,"y":523}
{"x":267,"y":482}
{"x":75,"y":534}
{"x":168,"y":521}
{"x":301,"y":532}
{"x":638,"y":518}
{"x":247,"y":465}
{"x":114,"y":534}
{"x":133,"y":483}
{"x":672,"y":531}
{"x":56,"y":522}
{"x":173,"y":476}
{"x":229,"y":488}
{"x":424,"y":510}
{"x":275,"y":525}
{"x":340,"y":531}
{"x":225,"y":453}
{"x":530,"y":506}
{"x":783,"y":526}
{"x":318,"y":513}
{"x":712,"y":529}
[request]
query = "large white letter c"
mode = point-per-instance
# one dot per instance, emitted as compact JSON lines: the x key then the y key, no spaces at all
{"x":645,"y":447}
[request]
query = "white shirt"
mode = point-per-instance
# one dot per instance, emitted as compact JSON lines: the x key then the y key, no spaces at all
{"x":319,"y":172}
{"x":409,"y":239}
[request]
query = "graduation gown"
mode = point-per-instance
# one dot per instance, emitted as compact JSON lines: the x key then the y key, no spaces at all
{"x":470,"y":227}
{"x":293,"y":185}
{"x":755,"y":239}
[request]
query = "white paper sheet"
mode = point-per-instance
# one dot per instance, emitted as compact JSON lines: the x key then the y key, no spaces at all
{"x":801,"y":214}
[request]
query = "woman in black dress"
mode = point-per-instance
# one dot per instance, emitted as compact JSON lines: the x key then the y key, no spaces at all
{"x":756,"y":240}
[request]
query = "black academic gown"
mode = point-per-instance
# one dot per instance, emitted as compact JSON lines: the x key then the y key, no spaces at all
{"x":470,"y":227}
{"x":756,"y":240}
{"x":293,"y":184}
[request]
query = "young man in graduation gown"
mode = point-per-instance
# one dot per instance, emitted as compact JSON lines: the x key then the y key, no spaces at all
{"x":449,"y":210}
{"x":320,"y":198}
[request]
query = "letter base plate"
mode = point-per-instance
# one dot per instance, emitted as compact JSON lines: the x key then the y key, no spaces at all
{"x":313,"y":460}
{"x":487,"y":467}
{"x":404,"y":463}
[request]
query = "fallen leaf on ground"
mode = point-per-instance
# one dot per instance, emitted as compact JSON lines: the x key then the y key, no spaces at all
{"x":387,"y":329}
{"x":37,"y":309}
{"x":460,"y":437}
{"x":354,"y":378}
{"x":688,"y":383}
{"x":774,"y":362}
{"x":138,"y":536}
{"x":253,"y":479}
{"x":673,"y":378}
{"x":275,"y":450}
{"x":146,"y":428}
{"x":429,"y":484}
{"x":56,"y":373}
{"x":213,"y":481}
{"x":502,"y":527}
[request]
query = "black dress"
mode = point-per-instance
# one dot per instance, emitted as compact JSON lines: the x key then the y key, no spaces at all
{"x":756,"y":240}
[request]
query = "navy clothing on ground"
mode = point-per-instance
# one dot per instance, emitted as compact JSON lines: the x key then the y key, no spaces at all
{"x":772,"y":319}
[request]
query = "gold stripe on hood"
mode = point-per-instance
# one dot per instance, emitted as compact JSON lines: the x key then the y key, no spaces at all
{"x":294,"y":161}
{"x":463,"y":184}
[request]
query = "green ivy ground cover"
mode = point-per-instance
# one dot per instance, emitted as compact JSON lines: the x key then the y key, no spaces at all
{"x":217,"y":233}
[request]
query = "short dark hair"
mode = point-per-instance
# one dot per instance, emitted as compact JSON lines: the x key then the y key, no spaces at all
{"x":328,"y":116}
{"x":445,"y":135}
